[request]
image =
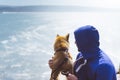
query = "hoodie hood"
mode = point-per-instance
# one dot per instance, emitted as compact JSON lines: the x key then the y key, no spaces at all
{"x":87,"y":40}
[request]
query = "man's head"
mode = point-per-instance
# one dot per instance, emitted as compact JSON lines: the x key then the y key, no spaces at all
{"x":86,"y":37}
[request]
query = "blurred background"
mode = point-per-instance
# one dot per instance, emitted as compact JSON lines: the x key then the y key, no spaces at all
{"x":28,"y":29}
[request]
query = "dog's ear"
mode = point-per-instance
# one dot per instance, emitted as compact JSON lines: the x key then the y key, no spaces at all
{"x":67,"y":37}
{"x":57,"y":35}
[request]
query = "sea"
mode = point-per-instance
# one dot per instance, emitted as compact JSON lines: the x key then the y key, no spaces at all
{"x":27,"y":38}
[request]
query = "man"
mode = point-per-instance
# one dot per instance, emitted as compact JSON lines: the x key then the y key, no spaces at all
{"x":98,"y":66}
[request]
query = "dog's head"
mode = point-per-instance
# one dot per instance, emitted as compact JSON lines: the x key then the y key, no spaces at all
{"x":61,"y":42}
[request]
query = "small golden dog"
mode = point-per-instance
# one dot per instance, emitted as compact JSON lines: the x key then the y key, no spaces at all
{"x":62,"y":60}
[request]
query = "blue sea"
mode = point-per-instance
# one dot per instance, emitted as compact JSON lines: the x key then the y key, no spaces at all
{"x":26,"y":40}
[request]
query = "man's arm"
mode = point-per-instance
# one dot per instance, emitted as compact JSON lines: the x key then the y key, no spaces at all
{"x":105,"y":72}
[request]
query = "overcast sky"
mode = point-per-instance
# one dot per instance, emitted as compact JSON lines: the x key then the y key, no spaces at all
{"x":92,"y":3}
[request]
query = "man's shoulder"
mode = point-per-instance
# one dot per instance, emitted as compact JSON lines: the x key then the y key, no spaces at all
{"x":104,"y":59}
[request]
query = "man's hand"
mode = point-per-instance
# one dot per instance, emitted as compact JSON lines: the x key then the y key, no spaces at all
{"x":71,"y":77}
{"x":50,"y":63}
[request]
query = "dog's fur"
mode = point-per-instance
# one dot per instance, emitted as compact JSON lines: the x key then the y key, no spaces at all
{"x":61,"y":42}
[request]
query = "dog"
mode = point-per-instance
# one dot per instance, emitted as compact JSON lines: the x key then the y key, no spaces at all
{"x":62,"y":59}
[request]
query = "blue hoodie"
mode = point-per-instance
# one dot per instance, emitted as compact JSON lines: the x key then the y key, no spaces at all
{"x":98,"y":66}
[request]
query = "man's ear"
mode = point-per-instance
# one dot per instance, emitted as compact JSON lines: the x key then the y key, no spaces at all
{"x":67,"y":37}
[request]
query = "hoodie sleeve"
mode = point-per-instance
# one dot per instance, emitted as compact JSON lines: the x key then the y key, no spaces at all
{"x":104,"y":72}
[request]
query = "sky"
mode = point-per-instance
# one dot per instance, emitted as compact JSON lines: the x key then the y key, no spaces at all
{"x":88,"y":3}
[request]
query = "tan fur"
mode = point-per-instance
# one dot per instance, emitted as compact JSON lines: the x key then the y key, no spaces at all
{"x":59,"y":56}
